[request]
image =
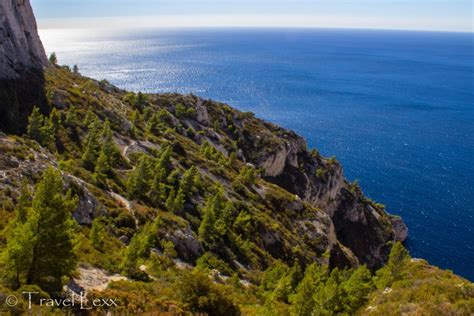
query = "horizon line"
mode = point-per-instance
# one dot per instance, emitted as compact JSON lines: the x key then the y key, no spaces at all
{"x":258,"y":27}
{"x":237,"y":21}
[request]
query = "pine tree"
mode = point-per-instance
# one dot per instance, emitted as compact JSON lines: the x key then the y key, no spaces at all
{"x":53,"y":59}
{"x":206,"y":231}
{"x":135,"y":120}
{"x":139,"y":248}
{"x":102,"y":168}
{"x":180,"y":110}
{"x":165,"y":158}
{"x":179,"y":202}
{"x":173,"y":179}
{"x":109,"y":147}
{"x":147,"y":113}
{"x":96,"y":234}
{"x":164,"y":117}
{"x":247,"y":175}
{"x":158,"y":192}
{"x":35,"y":122}
{"x":89,"y":118}
{"x":170,"y":201}
{"x":206,"y":228}
{"x":40,"y":251}
{"x":52,"y":224}
{"x":55,"y":119}
{"x":197,"y":181}
{"x":91,"y":143}
{"x":137,"y":184}
{"x":224,"y":219}
{"x":75,"y":69}
{"x":356,"y":289}
{"x":153,"y":125}
{"x":302,"y":301}
{"x":392,"y":269}
{"x":48,"y":133}
{"x":187,"y":181}
{"x":232,"y":159}
{"x":71,"y":118}
{"x":17,"y":255}
{"x":287,"y":284}
{"x":326,"y":296}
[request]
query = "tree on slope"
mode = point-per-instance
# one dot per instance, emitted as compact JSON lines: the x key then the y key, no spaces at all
{"x":41,"y":250}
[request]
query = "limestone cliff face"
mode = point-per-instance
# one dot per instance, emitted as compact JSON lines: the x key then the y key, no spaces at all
{"x":21,"y":49}
{"x":22,"y":59}
{"x":362,"y":227}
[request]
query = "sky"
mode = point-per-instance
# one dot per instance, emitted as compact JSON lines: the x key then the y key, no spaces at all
{"x":440,"y":15}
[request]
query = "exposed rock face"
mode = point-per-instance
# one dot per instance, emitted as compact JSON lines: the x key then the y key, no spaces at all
{"x":22,"y":59}
{"x":363,"y":228}
{"x":87,"y":207}
{"x":21,"y":49}
{"x":186,"y":243}
{"x":90,"y":279}
{"x":400,"y":228}
{"x":286,"y":155}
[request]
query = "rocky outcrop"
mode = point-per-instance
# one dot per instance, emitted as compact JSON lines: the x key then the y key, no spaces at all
{"x":88,"y":279}
{"x":186,"y":243}
{"x":285,"y":155}
{"x":400,"y":229}
{"x":87,"y":207}
{"x":21,"y":49}
{"x":363,"y":228}
{"x":22,"y":59}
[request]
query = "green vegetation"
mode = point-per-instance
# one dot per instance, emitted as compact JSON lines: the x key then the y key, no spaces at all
{"x":53,"y":59}
{"x":41,"y":129}
{"x":40,"y":248}
{"x":181,"y":208}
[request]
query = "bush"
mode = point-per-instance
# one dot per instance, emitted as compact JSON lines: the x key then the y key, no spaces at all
{"x":202,"y":296}
{"x":210,"y":261}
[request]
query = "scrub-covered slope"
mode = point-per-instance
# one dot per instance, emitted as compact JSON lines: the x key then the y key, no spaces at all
{"x":163,"y":183}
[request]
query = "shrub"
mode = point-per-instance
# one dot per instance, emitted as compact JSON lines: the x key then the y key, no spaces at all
{"x":202,"y":296}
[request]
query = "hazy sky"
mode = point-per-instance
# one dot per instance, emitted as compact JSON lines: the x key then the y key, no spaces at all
{"x":450,"y":15}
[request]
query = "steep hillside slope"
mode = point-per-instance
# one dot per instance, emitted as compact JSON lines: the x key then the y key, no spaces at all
{"x":203,"y":184}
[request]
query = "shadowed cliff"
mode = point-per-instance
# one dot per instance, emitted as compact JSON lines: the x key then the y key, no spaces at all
{"x":22,"y":59}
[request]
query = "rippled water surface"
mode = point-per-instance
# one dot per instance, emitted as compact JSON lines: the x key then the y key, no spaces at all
{"x":397,"y":108}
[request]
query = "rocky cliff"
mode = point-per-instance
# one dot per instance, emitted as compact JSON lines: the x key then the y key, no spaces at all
{"x":362,"y":226}
{"x":21,"y":49}
{"x":22,"y":59}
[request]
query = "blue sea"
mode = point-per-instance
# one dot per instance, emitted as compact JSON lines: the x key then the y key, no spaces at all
{"x":396,"y":108}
